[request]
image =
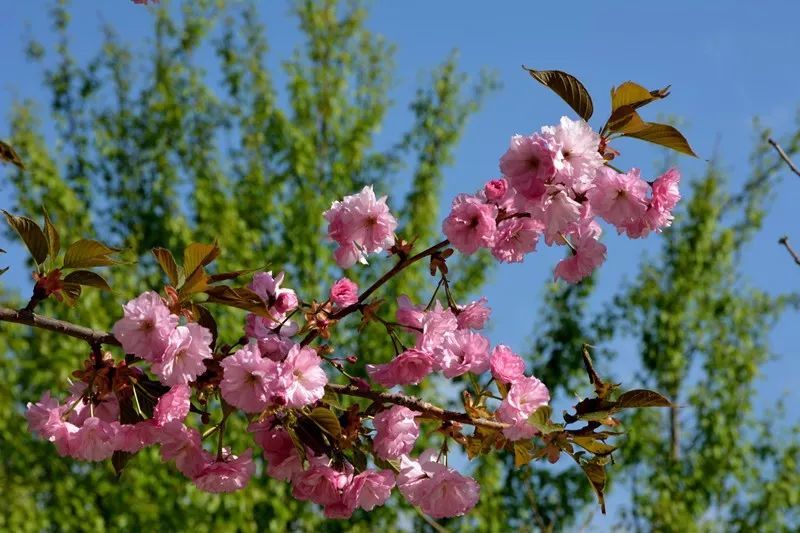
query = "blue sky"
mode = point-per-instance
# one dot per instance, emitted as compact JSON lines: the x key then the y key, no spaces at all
{"x":727,"y":62}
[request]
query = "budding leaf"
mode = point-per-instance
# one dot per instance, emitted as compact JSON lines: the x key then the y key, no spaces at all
{"x":634,"y":95}
{"x":71,"y":292}
{"x":568,"y":88}
{"x":663,"y":135}
{"x":624,"y":120}
{"x":540,"y":419}
{"x":196,"y":255}
{"x":31,"y":234}
{"x":53,"y":239}
{"x":9,"y":155}
{"x":87,"y":278}
{"x":167,"y":263}
{"x":328,"y":421}
{"x":86,"y":253}
{"x":642,"y":398}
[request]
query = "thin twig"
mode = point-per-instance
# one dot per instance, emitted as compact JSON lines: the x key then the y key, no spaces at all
{"x":784,"y":156}
{"x":95,"y":337}
{"x":785,"y":242}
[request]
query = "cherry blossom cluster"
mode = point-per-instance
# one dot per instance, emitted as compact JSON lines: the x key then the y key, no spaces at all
{"x":554,"y":185}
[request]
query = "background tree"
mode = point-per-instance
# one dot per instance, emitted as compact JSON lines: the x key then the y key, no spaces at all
{"x":164,"y":158}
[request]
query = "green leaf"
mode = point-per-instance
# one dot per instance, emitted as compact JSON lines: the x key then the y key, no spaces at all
{"x":86,"y":253}
{"x":71,"y":292}
{"x":239,"y":297}
{"x":328,"y":421}
{"x":624,"y":120}
{"x":31,"y":234}
{"x":197,"y":254}
{"x":594,"y":446}
{"x":540,"y":419}
{"x":53,"y":239}
{"x":87,"y":278}
{"x":9,"y":155}
{"x":642,"y":398}
{"x":167,"y":263}
{"x":523,"y":453}
{"x":597,"y":477}
{"x":332,"y":399}
{"x":567,"y":87}
{"x":634,"y":95}
{"x":663,"y":135}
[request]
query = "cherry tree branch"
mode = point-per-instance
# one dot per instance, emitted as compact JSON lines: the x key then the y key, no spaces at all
{"x":785,"y":242}
{"x":784,"y":156}
{"x":96,"y":337}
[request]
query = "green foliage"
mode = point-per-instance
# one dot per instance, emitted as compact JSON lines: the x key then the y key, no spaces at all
{"x":150,"y":154}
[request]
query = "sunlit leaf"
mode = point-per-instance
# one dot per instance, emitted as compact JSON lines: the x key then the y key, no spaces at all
{"x":71,"y":292}
{"x":197,"y":255}
{"x":87,"y":278}
{"x":568,"y":88}
{"x":523,"y":453}
{"x":197,"y":282}
{"x":540,"y":419}
{"x":239,"y":297}
{"x":167,"y":263}
{"x":634,"y":95}
{"x":31,"y":234}
{"x":597,"y":477}
{"x":624,"y":120}
{"x":328,"y":421}
{"x":642,"y":398}
{"x":225,"y":276}
{"x":86,"y":253}
{"x":595,"y":446}
{"x":663,"y":135}
{"x":9,"y":155}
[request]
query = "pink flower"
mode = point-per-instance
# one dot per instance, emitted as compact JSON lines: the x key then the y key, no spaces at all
{"x":105,"y":407}
{"x":474,"y":315}
{"x":471,"y":224}
{"x":464,"y":351}
{"x":495,"y":190}
{"x":619,"y":198}
{"x":530,"y":164}
{"x":320,"y":484}
{"x":659,"y":213}
{"x":145,"y":327}
{"x":45,"y":420}
{"x":370,"y":488}
{"x":524,"y":396}
{"x":173,"y":405}
{"x":228,"y":474}
{"x":408,"y":368}
{"x":436,"y":325}
{"x":249,"y":381}
{"x":283,"y":460}
{"x":360,"y":224}
{"x":183,"y":445}
{"x":133,"y":437}
{"x":516,"y":237}
{"x":396,"y":432}
{"x":588,"y":254}
{"x":344,"y":292}
{"x":182,"y":360}
{"x":408,"y":314}
{"x":438,"y":490}
{"x":506,"y":366}
{"x":274,"y":346}
{"x":560,"y":213}
{"x":578,"y":158}
{"x":304,"y":376}
{"x":95,"y":440}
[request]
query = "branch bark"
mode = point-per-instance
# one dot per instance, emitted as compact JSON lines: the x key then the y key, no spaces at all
{"x":95,"y":337}
{"x":784,"y":156}
{"x":785,"y":242}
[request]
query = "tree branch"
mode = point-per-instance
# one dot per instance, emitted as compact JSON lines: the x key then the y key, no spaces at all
{"x":785,"y":242}
{"x":784,"y":156}
{"x":96,"y":337}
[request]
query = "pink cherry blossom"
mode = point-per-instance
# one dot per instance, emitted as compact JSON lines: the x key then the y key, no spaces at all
{"x":249,"y":380}
{"x":228,"y":474}
{"x":495,"y":190}
{"x":449,"y":494}
{"x":396,"y":432}
{"x":283,"y":460}
{"x":586,"y":256}
{"x":370,"y":489}
{"x":173,"y":405}
{"x":133,"y":437}
{"x":507,"y":367}
{"x":305,"y":378}
{"x":45,"y":419}
{"x":464,"y":351}
{"x":408,"y":368}
{"x":344,"y":292}
{"x":515,"y":238}
{"x":529,"y":163}
{"x":408,"y":314}
{"x":436,"y":324}
{"x":560,"y":212}
{"x":274,"y":346}
{"x":665,"y":196}
{"x":145,"y":327}
{"x":619,"y":198}
{"x":105,"y":406}
{"x":524,"y":396}
{"x":183,"y":356}
{"x":320,"y":483}
{"x":471,"y":224}
{"x":360,"y":224}
{"x":578,"y":158}
{"x":474,"y":315}
{"x":95,"y":440}
{"x":183,"y":445}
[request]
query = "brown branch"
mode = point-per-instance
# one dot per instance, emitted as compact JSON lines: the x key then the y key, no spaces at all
{"x":784,"y":156}
{"x":785,"y":242}
{"x":96,"y":337}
